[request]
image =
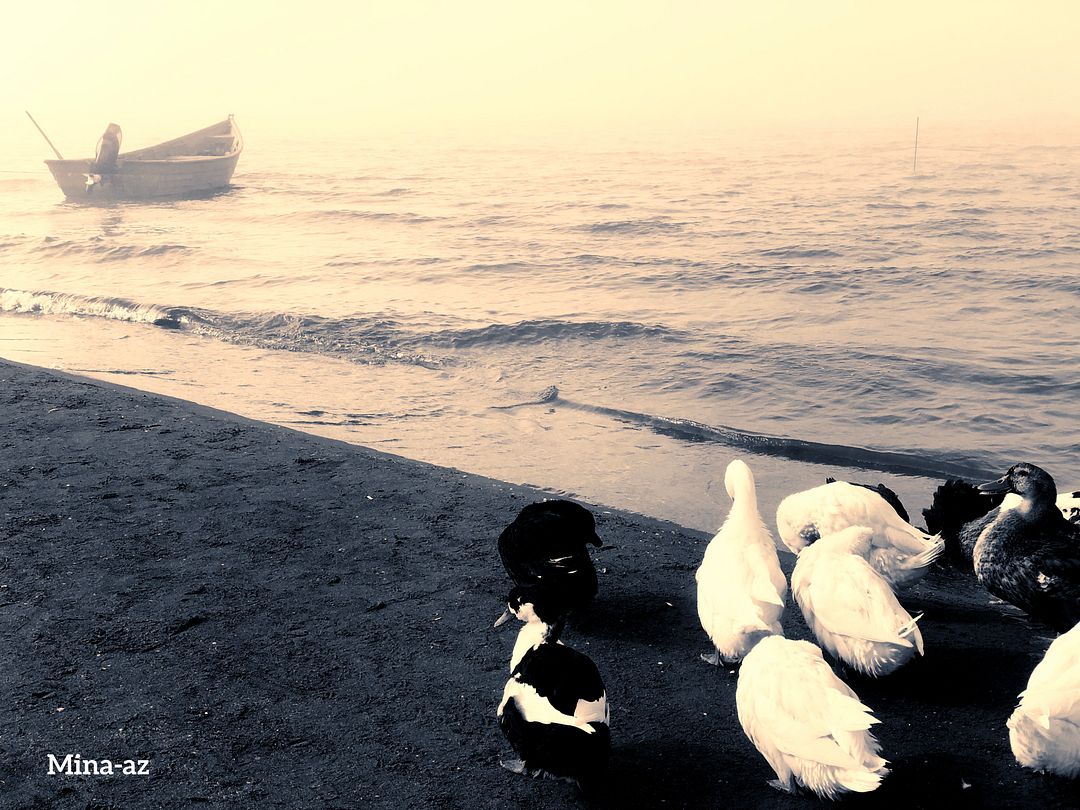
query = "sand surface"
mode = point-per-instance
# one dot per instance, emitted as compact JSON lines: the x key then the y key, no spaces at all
{"x":279,"y":620}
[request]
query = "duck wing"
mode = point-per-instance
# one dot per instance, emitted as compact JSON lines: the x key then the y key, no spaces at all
{"x":549,"y":539}
{"x":1053,"y":690}
{"x":1056,"y":593}
{"x":542,"y":566}
{"x":889,"y":495}
{"x":849,"y":598}
{"x":565,"y":679}
{"x":809,"y":713}
{"x":743,"y":589}
{"x":1035,"y":567}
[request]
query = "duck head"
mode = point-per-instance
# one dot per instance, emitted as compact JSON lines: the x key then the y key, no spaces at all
{"x":543,"y":623}
{"x":579,"y":520}
{"x":739,"y":481}
{"x":1033,"y":484}
{"x":532,"y":605}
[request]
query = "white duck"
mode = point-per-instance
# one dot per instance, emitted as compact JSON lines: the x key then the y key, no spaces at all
{"x":898,"y":551}
{"x":809,"y":725}
{"x":850,"y":607}
{"x":1044,"y":731}
{"x":740,"y":587}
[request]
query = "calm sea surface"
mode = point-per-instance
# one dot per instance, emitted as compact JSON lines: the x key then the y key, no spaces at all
{"x":613,"y":324}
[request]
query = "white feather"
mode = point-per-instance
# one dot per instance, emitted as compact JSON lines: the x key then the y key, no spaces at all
{"x":810,"y":726}
{"x":529,"y":637}
{"x":1044,"y":730}
{"x":537,"y":709}
{"x":849,"y":606}
{"x":741,"y":588}
{"x":593,"y":711}
{"x":898,"y":551}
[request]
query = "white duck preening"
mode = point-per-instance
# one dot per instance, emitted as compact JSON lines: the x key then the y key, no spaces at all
{"x":898,"y":551}
{"x":741,"y":589}
{"x":850,"y":607}
{"x":809,"y":725}
{"x":1044,"y":730}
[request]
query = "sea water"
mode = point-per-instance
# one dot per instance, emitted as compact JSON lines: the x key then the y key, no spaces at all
{"x":611,"y":321}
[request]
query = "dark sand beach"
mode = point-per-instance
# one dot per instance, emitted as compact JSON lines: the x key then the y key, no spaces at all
{"x":278,"y":620}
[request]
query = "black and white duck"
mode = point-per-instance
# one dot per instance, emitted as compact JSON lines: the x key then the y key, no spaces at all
{"x":554,"y":709}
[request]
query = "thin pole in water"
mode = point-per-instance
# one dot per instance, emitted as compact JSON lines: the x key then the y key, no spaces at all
{"x":915,"y":159}
{"x":43,"y":135}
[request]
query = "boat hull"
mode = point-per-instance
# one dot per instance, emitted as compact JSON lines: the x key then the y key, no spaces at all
{"x":144,"y":180}
{"x":198,"y":163}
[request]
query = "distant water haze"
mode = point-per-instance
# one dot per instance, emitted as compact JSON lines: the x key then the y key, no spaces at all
{"x":794,"y":304}
{"x":481,"y":70}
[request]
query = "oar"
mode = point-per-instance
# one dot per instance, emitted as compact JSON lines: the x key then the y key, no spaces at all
{"x":43,"y":135}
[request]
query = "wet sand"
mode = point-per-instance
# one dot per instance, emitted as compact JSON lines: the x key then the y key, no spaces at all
{"x":274,"y":619}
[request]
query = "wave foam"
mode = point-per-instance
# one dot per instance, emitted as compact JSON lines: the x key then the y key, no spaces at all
{"x":40,"y":302}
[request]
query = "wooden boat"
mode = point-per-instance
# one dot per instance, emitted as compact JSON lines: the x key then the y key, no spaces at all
{"x":193,"y":164}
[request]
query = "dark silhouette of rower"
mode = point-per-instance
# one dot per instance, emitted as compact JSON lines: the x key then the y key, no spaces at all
{"x":107,"y":149}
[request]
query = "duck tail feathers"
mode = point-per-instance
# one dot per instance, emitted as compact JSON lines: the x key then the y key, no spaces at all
{"x":925,"y":558}
{"x":912,"y":629}
{"x":956,"y":503}
{"x":848,"y":713}
{"x":863,"y":781}
{"x":908,"y":539}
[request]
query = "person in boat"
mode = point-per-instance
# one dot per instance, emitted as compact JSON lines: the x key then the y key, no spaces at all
{"x":108,"y":148}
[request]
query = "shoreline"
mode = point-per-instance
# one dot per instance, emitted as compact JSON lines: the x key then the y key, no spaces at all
{"x":565,"y":448}
{"x":278,"y":618}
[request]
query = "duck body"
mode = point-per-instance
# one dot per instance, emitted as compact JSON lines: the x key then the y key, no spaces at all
{"x":1029,"y":555}
{"x":1044,"y":730}
{"x":554,"y":710}
{"x":554,"y":714}
{"x":961,"y":511}
{"x":809,"y":725}
{"x":898,"y":551}
{"x":741,"y":589}
{"x":547,"y":545}
{"x":850,"y":608}
{"x":889,"y":495}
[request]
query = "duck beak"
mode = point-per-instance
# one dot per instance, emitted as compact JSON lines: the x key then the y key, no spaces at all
{"x":995,"y":487}
{"x":506,"y":614}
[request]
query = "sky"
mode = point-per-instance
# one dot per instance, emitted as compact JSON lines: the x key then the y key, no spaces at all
{"x":483,"y":70}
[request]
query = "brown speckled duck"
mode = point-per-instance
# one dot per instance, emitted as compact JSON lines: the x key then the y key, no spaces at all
{"x":1030,"y":555}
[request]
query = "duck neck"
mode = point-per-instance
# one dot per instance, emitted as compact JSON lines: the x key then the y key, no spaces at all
{"x":744,"y":505}
{"x":531,"y":636}
{"x":1037,"y":508}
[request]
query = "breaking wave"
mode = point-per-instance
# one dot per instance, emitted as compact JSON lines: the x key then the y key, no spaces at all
{"x":369,"y":339}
